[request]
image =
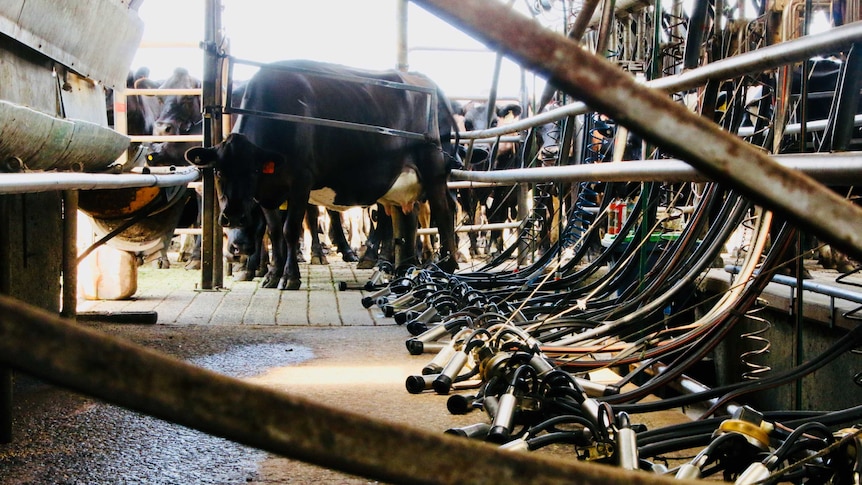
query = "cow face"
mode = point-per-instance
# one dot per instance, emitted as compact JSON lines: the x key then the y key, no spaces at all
{"x":239,"y":166}
{"x":179,"y":115}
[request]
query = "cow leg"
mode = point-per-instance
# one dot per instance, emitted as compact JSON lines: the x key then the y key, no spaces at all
{"x":163,"y":262}
{"x":379,"y":243}
{"x":297,"y":209}
{"x":312,"y":215}
{"x":372,"y":247}
{"x":470,"y":207}
{"x":404,"y":232}
{"x":442,"y":212}
{"x":425,"y":222}
{"x":498,"y":213}
{"x":336,"y":234}
{"x":252,"y":261}
{"x":386,"y":235}
{"x":276,"y":232}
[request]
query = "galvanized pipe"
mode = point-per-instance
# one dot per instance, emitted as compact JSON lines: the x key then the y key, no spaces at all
{"x":82,"y":359}
{"x":493,"y":226}
{"x":162,"y":92}
{"x":759,"y":60}
{"x":660,"y":120}
{"x":812,"y":286}
{"x":165,"y":138}
{"x":836,"y":169}
{"x":796,"y":128}
{"x":32,"y":182}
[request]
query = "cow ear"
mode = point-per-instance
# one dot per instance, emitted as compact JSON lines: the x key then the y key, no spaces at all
{"x":201,"y":156}
{"x":513,"y":108}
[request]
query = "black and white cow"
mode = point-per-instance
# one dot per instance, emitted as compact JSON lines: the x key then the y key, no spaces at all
{"x":269,"y":161}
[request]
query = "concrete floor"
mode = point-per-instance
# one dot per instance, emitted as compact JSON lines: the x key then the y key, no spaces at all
{"x":318,"y":343}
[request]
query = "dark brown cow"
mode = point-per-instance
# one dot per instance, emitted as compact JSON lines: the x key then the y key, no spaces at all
{"x":303,"y":136}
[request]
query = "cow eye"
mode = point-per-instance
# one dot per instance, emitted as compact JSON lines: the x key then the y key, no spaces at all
{"x":468,"y":125}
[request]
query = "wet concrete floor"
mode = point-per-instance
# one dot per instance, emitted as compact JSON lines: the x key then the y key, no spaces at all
{"x":317,"y":343}
{"x":60,"y":437}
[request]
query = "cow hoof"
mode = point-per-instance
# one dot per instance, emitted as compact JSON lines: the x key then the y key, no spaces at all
{"x":349,"y":257}
{"x":366,"y":264}
{"x":243,"y":276}
{"x":319,"y":260}
{"x":289,"y":284}
{"x":193,"y":264}
{"x":269,"y":281}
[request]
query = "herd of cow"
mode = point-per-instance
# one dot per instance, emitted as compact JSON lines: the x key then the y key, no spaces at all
{"x":309,"y":135}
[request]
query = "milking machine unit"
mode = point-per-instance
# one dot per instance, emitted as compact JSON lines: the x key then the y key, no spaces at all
{"x":486,"y":356}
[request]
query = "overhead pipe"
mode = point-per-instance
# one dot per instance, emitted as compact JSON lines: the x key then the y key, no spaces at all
{"x":32,"y":182}
{"x":759,"y":60}
{"x":661,"y":121}
{"x":837,"y":168}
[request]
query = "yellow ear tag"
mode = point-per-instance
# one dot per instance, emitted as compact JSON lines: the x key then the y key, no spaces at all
{"x":269,"y":167}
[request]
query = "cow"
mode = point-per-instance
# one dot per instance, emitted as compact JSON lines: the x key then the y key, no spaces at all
{"x":312,"y":139}
{"x":179,"y":115}
{"x":246,"y":248}
{"x":182,"y":115}
{"x":498,"y":202}
{"x":140,"y":112}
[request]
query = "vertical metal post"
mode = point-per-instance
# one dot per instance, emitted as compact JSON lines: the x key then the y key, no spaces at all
{"x":210,"y":237}
{"x":401,"y":63}
{"x":799,"y":304}
{"x":605,"y":28}
{"x":69,"y":300}
{"x":523,"y":189}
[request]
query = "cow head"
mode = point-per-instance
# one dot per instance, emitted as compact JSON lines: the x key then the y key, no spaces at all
{"x":476,"y":117}
{"x":179,"y":115}
{"x":241,"y":168}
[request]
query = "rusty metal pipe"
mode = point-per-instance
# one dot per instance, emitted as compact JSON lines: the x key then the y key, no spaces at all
{"x":659,"y":120}
{"x":85,"y":360}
